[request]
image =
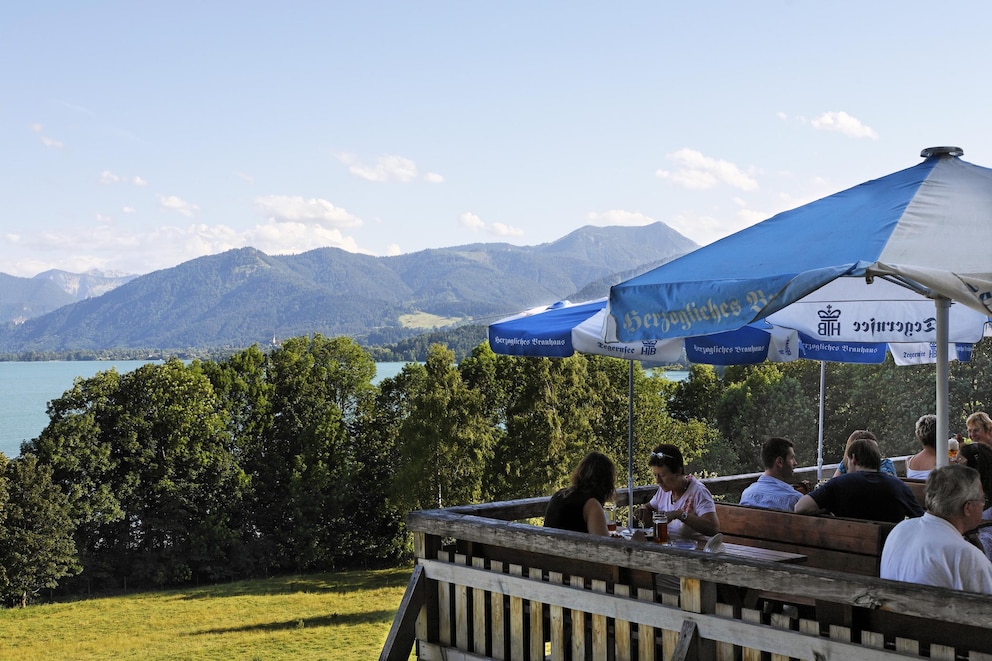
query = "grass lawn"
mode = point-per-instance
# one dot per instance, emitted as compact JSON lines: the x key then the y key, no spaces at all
{"x":321,"y":616}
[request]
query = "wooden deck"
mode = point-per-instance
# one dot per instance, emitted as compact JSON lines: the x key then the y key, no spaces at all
{"x":488,"y":585}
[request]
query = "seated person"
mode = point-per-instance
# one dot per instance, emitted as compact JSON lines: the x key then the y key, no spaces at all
{"x":579,"y":507}
{"x":885,"y":467}
{"x":772,"y":490}
{"x":930,"y":550}
{"x":864,"y":492}
{"x":920,"y":464}
{"x":689,"y":504}
{"x":979,"y":457}
{"x":980,"y":428}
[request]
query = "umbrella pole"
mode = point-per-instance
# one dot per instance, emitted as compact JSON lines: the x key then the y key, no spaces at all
{"x":943,"y":306}
{"x":630,"y":446}
{"x":819,"y":440}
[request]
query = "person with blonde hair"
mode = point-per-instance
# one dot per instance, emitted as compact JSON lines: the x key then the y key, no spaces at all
{"x":918,"y":466}
{"x":579,"y":507}
{"x":980,"y":427}
{"x":885,"y":467}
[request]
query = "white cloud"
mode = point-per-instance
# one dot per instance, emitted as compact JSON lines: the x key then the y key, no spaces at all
{"x":500,"y":229}
{"x":45,"y":140}
{"x":177,"y":204}
{"x":128,"y":210}
{"x":107,"y":177}
{"x":781,"y":115}
{"x":471,"y":221}
{"x":698,"y":172}
{"x":476,"y":224}
{"x":247,"y":177}
{"x":433,"y":178}
{"x":393,"y":249}
{"x":104,"y":219}
{"x":841,"y":122}
{"x":620,"y":217}
{"x":296,"y":209}
{"x":386,"y":168}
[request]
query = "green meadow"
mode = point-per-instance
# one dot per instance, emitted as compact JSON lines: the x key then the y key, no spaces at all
{"x":320,"y":616}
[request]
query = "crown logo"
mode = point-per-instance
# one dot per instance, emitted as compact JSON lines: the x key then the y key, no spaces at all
{"x":829,"y":314}
{"x":649,"y":343}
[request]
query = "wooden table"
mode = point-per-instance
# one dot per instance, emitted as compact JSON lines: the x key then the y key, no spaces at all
{"x":740,"y":551}
{"x":767,"y":555}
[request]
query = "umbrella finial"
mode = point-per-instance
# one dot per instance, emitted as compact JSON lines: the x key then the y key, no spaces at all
{"x":940,"y":151}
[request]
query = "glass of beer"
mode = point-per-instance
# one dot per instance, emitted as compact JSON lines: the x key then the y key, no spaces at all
{"x":660,"y":520}
{"x":952,"y":449}
{"x":611,"y":516}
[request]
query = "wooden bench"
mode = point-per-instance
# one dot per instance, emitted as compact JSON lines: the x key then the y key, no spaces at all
{"x":839,"y":544}
{"x":918,"y":487}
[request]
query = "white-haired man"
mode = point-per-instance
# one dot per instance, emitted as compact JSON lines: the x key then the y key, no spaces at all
{"x":931,"y":550}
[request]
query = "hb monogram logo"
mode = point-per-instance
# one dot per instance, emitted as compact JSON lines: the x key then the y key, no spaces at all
{"x":829,"y":325}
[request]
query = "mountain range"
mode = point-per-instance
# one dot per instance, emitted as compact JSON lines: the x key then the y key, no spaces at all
{"x":244,"y":296}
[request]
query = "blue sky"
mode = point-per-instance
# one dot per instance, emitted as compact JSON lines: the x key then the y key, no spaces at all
{"x":138,"y":135}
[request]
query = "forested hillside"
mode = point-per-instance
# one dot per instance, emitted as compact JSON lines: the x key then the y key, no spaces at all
{"x":292,"y":461}
{"x":243,"y":297}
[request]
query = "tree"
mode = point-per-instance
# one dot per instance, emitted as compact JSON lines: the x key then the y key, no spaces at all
{"x":152,"y":481}
{"x":548,"y":417}
{"x":36,"y":545}
{"x":695,"y":397}
{"x":445,"y":440}
{"x":305,"y":497}
{"x":764,"y":403}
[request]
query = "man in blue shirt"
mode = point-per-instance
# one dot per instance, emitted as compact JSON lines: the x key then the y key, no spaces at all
{"x":772,"y":490}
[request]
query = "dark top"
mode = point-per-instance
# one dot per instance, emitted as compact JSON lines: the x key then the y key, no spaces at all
{"x":868,"y":495}
{"x":565,"y":510}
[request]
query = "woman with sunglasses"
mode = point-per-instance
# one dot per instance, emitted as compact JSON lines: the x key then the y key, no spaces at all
{"x":686,"y":500}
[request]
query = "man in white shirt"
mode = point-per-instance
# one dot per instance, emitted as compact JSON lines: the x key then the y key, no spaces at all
{"x":772,"y":490}
{"x":931,"y":549}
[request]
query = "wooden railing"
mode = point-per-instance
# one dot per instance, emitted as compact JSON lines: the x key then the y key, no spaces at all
{"x":489,"y":585}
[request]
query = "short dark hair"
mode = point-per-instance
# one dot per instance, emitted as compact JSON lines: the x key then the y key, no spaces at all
{"x":667,"y":455}
{"x":774,"y":448}
{"x":865,"y":452}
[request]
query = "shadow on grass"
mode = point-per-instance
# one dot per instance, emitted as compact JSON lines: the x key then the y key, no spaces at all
{"x":342,"y":582}
{"x":334,"y":619}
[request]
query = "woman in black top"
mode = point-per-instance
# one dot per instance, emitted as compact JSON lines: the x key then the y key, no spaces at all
{"x":580,"y":506}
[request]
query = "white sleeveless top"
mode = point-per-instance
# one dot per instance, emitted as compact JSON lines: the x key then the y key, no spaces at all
{"x":913,"y":474}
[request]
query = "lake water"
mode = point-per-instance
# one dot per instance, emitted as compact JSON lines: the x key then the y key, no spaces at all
{"x":26,"y":389}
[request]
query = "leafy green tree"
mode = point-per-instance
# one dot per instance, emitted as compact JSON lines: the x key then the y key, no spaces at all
{"x":549,"y":425}
{"x":36,"y":544}
{"x":306,"y":504}
{"x":695,"y":397}
{"x":765,"y":403}
{"x":445,"y":440}
{"x":147,"y":463}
